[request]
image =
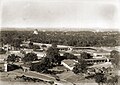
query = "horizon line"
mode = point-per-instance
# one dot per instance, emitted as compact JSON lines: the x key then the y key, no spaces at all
{"x":58,"y":29}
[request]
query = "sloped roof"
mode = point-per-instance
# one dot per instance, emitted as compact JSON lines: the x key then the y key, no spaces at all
{"x":69,"y":62}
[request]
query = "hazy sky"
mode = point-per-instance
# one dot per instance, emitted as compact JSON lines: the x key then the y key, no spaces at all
{"x":60,"y":13}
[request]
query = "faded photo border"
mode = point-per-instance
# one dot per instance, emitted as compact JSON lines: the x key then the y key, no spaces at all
{"x":68,"y":17}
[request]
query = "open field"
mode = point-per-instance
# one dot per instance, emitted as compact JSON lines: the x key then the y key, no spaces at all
{"x":27,"y":83}
{"x":9,"y":80}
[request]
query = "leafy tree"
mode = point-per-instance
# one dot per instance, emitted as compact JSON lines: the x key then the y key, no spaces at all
{"x":30,"y":44}
{"x":77,"y":68}
{"x":52,"y":58}
{"x":12,"y":58}
{"x":81,"y":66}
{"x":99,"y":78}
{"x":86,"y":55}
{"x":47,"y":62}
{"x":115,"y":54}
{"x":42,"y":66}
{"x":112,"y":79}
{"x":39,"y":67}
{"x":69,"y":56}
{"x":35,"y":47}
{"x":30,"y":57}
{"x":16,"y":43}
{"x":53,"y":54}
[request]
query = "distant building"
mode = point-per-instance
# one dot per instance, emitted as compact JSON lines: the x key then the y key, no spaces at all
{"x":35,"y":32}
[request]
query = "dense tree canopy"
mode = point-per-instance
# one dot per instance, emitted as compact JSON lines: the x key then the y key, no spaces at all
{"x":115,"y":54}
{"x":52,"y":58}
{"x":69,"y":56}
{"x":80,"y":38}
{"x":53,"y":54}
{"x":30,"y":57}
{"x":12,"y":58}
{"x":16,"y":42}
{"x":99,"y":78}
{"x":42,"y":66}
{"x":80,"y":67}
{"x":85,"y":55}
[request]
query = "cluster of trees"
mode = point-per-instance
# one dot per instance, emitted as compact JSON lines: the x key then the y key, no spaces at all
{"x":29,"y":57}
{"x":13,"y":58}
{"x":81,"y":38}
{"x":42,"y":66}
{"x":69,"y":56}
{"x":106,"y":78}
{"x":81,"y":66}
{"x":13,"y":38}
{"x":53,"y":54}
{"x":52,"y":58}
{"x":78,"y":38}
{"x":116,"y":56}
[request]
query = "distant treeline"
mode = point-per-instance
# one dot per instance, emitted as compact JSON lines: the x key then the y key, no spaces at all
{"x":71,"y":38}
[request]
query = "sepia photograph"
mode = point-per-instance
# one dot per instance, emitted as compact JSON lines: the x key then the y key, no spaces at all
{"x":59,"y":42}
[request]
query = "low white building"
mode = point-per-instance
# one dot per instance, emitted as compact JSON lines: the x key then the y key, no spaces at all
{"x":69,"y":64}
{"x":105,"y":65}
{"x":35,"y":32}
{"x":100,"y":54}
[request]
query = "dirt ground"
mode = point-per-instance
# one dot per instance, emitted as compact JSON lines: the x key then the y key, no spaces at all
{"x":71,"y":78}
{"x":8,"y":79}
